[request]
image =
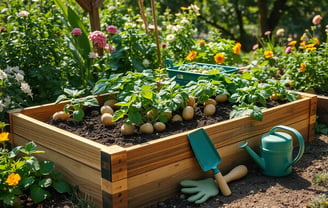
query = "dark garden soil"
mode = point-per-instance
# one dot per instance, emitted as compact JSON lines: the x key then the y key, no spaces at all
{"x":254,"y":190}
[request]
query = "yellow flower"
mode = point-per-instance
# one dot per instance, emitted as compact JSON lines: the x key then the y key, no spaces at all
{"x":268,"y":54}
{"x":4,"y":136}
{"x":192,"y":55}
{"x":219,"y":58}
{"x":13,"y":179}
{"x":184,"y":8}
{"x":316,"y":41}
{"x":302,"y":67}
{"x":292,"y":43}
{"x":237,"y":48}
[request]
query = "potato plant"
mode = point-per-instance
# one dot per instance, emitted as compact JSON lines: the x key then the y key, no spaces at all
{"x":76,"y":105}
{"x":147,"y":101}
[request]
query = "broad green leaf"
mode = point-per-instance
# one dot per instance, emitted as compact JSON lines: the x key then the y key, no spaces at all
{"x":78,"y":114}
{"x":27,"y":181}
{"x":146,"y":92}
{"x":39,"y":194}
{"x":46,"y":167}
{"x":45,"y":182}
{"x":62,"y":187}
{"x":61,"y":98}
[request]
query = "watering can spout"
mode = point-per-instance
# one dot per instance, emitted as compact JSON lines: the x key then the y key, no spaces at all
{"x":256,"y":157}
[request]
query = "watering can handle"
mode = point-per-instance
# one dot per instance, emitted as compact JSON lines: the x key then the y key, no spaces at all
{"x":299,"y":138}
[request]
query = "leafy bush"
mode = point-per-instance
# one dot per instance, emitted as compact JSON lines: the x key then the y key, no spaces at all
{"x":25,"y":174}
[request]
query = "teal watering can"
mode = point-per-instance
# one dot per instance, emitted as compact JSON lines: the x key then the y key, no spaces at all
{"x":276,"y":150}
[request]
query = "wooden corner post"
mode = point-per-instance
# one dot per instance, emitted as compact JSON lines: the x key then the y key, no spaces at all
{"x":114,"y":185}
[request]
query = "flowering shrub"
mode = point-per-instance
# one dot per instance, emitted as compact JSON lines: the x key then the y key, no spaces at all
{"x":300,"y":64}
{"x":26,"y":174}
{"x":14,"y":90}
{"x":215,"y":51}
{"x":31,"y":39}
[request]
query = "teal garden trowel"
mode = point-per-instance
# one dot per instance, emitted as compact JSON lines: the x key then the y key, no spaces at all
{"x":208,"y":157}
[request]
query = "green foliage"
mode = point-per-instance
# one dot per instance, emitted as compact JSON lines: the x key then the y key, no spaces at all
{"x":321,"y":178}
{"x":26,"y":174}
{"x":319,"y":202}
{"x":14,"y":90}
{"x":31,"y":40}
{"x":76,"y":104}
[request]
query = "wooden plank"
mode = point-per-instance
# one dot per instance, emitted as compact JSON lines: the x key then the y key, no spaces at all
{"x":165,"y":179}
{"x":73,"y":171}
{"x":171,"y":149}
{"x":72,"y":145}
{"x":322,"y":109}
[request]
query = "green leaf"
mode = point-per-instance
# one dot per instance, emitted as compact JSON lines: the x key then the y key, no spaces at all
{"x":90,"y":101}
{"x":45,"y":182}
{"x":46,"y":167}
{"x":257,"y":114}
{"x":135,"y":116}
{"x":62,"y":186}
{"x":61,"y":98}
{"x":39,"y":194}
{"x":118,"y":114}
{"x":78,"y":115}
{"x":27,"y":181}
{"x":146,"y":91}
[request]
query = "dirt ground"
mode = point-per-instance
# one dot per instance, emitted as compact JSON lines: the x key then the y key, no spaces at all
{"x":258,"y":191}
{"x":254,"y":190}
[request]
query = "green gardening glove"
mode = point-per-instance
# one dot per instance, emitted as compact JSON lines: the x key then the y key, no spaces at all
{"x":202,"y":189}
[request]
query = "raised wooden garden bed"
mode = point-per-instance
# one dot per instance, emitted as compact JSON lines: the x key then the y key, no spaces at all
{"x":147,"y":173}
{"x":322,"y":109}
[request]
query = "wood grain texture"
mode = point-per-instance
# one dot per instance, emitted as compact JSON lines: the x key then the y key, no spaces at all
{"x":147,"y":173}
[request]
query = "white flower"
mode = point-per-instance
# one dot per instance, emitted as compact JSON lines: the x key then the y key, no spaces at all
{"x":23,"y":13}
{"x":93,"y":55}
{"x":185,"y":21}
{"x":25,"y":87}
{"x":280,"y":32}
{"x":19,"y":77}
{"x":176,"y":28}
{"x":145,"y":63}
{"x":3,"y":75}
{"x":7,"y":101}
{"x":194,"y":7}
{"x":1,"y":106}
{"x":111,"y":8}
{"x":170,"y":37}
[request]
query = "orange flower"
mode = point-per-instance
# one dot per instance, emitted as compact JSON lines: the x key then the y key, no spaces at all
{"x":4,"y":136}
{"x":219,"y":58}
{"x":13,"y":179}
{"x":268,"y":54}
{"x":192,"y":55}
{"x":202,"y":42}
{"x":302,"y":67}
{"x":237,"y":48}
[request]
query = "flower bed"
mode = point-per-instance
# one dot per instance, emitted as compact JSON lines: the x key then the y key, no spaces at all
{"x":147,"y":173}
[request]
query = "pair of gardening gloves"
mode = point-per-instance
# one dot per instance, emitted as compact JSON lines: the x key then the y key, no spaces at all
{"x":203,"y":189}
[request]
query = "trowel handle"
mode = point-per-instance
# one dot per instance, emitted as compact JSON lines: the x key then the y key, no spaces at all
{"x":236,"y":173}
{"x":222,"y":184}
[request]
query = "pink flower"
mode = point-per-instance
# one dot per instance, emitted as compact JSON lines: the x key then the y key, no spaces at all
{"x":110,"y":48}
{"x":267,"y":32}
{"x":98,"y":38}
{"x":288,"y":50}
{"x":163,"y":45}
{"x":23,"y":13}
{"x":76,"y":31}
{"x":255,"y":47}
{"x":111,"y":29}
{"x":316,"y":19}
